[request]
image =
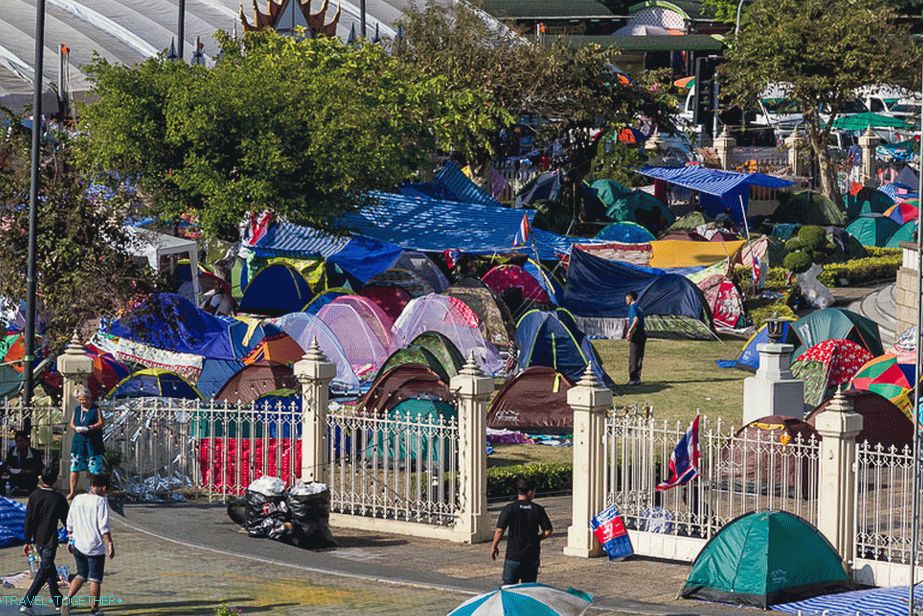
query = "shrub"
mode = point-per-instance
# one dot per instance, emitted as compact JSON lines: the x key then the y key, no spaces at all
{"x":793,"y":245}
{"x":860,"y":271}
{"x":813,"y":239}
{"x":778,"y":308}
{"x":501,"y":480}
{"x":797,"y":262}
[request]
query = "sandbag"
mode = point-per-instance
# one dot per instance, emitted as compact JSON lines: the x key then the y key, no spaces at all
{"x":309,"y":504}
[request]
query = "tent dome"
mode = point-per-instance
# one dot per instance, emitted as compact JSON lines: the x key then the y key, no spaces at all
{"x":536,"y":399}
{"x":254,"y":380}
{"x":390,"y":299}
{"x":872,"y":230}
{"x":496,"y":322}
{"x":831,"y":323}
{"x":363,"y":330}
{"x":883,"y":422}
{"x":276,"y":289}
{"x":402,"y":383}
{"x":151,"y":383}
{"x":304,"y":328}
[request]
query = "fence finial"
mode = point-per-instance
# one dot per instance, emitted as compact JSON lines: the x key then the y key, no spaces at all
{"x":471,"y":367}
{"x":589,"y":378}
{"x":314,"y":352}
{"x":840,"y":403}
{"x":74,"y":347}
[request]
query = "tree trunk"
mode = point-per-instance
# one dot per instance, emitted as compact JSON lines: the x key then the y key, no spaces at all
{"x":817,"y":137}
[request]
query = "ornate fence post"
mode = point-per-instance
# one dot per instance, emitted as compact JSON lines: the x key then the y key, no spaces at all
{"x":724,"y":146}
{"x":795,"y":144}
{"x":473,"y":390}
{"x":868,"y":143}
{"x":75,"y":367}
{"x":838,"y":427}
{"x":314,"y":373}
{"x":590,"y":401}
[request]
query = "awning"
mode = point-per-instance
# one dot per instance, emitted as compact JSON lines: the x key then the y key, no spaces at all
{"x":653,"y":42}
{"x":715,"y":182}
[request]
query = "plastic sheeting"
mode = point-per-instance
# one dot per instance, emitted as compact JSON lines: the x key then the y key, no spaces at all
{"x":450,"y":184}
{"x":668,"y":254}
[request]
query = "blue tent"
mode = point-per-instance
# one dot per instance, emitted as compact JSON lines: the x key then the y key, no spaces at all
{"x":546,"y":187}
{"x":450,"y":184}
{"x":169,"y":321}
{"x":596,"y":287}
{"x":545,"y":279}
{"x":151,"y":382}
{"x":215,"y":373}
{"x":625,"y":232}
{"x":749,"y":358}
{"x":276,"y":289}
{"x":552,"y":339}
{"x":719,"y":190}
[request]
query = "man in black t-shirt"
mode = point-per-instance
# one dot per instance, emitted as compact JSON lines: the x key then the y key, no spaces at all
{"x":528,"y":525}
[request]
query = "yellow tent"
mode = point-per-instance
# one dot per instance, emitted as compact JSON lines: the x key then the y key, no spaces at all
{"x":683,"y":253}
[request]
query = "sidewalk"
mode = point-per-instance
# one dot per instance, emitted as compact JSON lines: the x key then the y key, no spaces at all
{"x":193,"y":551}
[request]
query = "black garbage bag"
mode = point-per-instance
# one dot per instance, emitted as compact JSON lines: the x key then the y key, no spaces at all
{"x":309,"y":504}
{"x":237,"y":510}
{"x":267,"y":515}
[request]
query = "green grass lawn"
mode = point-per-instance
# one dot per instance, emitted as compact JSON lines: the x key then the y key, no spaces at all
{"x":679,"y":377}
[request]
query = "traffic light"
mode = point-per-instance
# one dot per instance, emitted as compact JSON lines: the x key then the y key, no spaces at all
{"x":705,"y":89}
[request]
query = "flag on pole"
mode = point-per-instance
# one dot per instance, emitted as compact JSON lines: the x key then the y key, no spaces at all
{"x":684,"y":463}
{"x":758,"y":273}
{"x":522,"y":235}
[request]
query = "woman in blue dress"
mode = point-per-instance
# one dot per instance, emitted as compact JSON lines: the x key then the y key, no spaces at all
{"x":87,"y":449}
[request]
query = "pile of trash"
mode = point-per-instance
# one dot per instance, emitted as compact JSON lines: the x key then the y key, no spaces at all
{"x":299,"y":515}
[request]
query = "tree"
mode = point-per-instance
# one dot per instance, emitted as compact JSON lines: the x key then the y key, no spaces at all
{"x":85,"y":270}
{"x":725,"y":11}
{"x":568,"y":92}
{"x":820,"y":52}
{"x":300,"y":126}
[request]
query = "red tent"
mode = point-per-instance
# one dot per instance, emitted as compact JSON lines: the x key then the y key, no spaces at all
{"x":390,"y":299}
{"x":502,"y":278}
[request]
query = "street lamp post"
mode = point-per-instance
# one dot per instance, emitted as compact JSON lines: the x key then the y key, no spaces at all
{"x":740,"y":6}
{"x":362,"y":18}
{"x":181,"y":28}
{"x":37,"y":83}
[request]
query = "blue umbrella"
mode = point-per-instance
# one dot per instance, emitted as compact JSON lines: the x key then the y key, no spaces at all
{"x":526,"y":600}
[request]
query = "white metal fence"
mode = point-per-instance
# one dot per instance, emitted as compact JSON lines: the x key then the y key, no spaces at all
{"x":400,"y":468}
{"x":740,"y":472}
{"x":47,"y":428}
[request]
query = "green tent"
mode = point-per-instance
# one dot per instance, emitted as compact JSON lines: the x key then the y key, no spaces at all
{"x":862,"y":121}
{"x":417,"y":355}
{"x":906,"y":233}
{"x":872,"y":230}
{"x":867,"y":201}
{"x":837,"y":323}
{"x":688,"y":222}
{"x":766,"y":558}
{"x":420,"y":445}
{"x":808,"y":207}
{"x":626,"y":204}
{"x":443,"y":349}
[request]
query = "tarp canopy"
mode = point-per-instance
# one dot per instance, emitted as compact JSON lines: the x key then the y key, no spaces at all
{"x":669,"y":254}
{"x":728,"y":187}
{"x":872,"y":230}
{"x":360,"y":257}
{"x":626,"y":204}
{"x":596,"y":287}
{"x":862,"y":121}
{"x":452,"y":185}
{"x":831,"y":323}
{"x":535,"y":400}
{"x":275,"y":290}
{"x":763,"y":558}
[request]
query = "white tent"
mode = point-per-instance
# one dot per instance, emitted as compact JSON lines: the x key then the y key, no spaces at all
{"x":155,"y":246}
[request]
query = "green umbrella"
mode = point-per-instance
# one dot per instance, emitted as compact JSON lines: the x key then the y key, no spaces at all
{"x":861,"y":121}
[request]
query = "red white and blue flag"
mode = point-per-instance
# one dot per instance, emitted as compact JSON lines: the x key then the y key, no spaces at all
{"x":684,"y":463}
{"x":522,"y":235}
{"x":758,"y":274}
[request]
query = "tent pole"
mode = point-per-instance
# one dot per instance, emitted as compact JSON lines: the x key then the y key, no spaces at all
{"x":915,"y":515}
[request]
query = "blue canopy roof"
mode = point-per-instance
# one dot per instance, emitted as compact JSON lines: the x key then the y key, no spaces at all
{"x":596,"y":287}
{"x":360,"y":257}
{"x":715,"y":182}
{"x":452,"y":185}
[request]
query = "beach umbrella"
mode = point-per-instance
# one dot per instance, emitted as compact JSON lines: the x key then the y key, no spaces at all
{"x":862,"y":121}
{"x":902,"y":212}
{"x":685,"y":82}
{"x":526,"y":600}
{"x":888,"y":378}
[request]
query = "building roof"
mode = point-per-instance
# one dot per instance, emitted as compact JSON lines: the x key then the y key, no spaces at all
{"x":683,"y":42}
{"x":538,"y":9}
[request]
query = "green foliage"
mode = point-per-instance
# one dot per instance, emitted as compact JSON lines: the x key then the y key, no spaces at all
{"x":881,"y":251}
{"x":501,"y":481}
{"x":776,"y":279}
{"x":823,"y":51}
{"x":85,"y":271}
{"x":618,"y":161}
{"x":859,"y":271}
{"x":761,"y":313}
{"x":797,"y":262}
{"x":226,"y":610}
{"x":300,"y":126}
{"x":793,"y":244}
{"x":813,"y":239}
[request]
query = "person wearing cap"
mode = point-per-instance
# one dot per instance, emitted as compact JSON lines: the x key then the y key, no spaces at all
{"x":87,"y":449}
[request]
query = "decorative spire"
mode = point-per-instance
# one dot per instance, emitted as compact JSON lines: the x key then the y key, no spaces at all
{"x":74,"y":347}
{"x":377,"y":37}
{"x":589,"y":378}
{"x":314,"y":352}
{"x":352,"y":35}
{"x":172,"y":53}
{"x":471,"y":367}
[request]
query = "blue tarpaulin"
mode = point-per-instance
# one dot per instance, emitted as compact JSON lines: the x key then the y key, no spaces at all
{"x":451,"y":185}
{"x":596,"y":287}
{"x":360,"y":257}
{"x":720,"y":190}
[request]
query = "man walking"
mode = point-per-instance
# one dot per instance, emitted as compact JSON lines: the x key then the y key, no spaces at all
{"x":45,"y":509}
{"x":90,"y":540}
{"x":529,"y":526}
{"x":636,"y":337}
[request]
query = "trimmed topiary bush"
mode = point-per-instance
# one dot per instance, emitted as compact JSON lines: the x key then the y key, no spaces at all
{"x":797,"y":262}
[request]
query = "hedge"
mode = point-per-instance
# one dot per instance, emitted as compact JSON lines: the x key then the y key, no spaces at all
{"x":858,"y":271}
{"x":501,"y":480}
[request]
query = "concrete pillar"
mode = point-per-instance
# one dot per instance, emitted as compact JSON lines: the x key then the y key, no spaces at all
{"x":773,"y":390}
{"x":838,"y":426}
{"x":724,"y":145}
{"x":314,"y":372}
{"x":590,"y":402}
{"x":76,"y":367}
{"x":472,"y":390}
{"x":868,"y":142}
{"x":795,"y":143}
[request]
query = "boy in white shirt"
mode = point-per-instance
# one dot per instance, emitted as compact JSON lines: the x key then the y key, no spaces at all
{"x":90,"y":540}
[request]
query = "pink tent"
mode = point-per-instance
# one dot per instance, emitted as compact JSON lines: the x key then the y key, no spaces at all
{"x":504,"y":277}
{"x":360,"y":332}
